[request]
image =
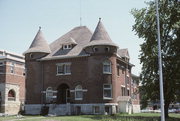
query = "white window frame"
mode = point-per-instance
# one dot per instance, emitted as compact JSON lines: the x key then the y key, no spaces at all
{"x":109,"y":98}
{"x":64,"y":67}
{"x":49,"y":94}
{"x":12,"y":68}
{"x":78,"y":88}
{"x":107,"y":63}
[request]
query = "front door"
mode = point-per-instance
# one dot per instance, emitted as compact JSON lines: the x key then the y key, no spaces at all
{"x":63,"y":94}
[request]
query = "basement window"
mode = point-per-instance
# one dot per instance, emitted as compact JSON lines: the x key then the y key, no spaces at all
{"x":96,"y":109}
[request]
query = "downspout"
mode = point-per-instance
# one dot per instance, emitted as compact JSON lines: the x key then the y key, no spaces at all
{"x":42,"y":88}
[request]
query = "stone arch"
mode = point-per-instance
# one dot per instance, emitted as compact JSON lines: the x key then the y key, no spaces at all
{"x":11,"y":95}
{"x":63,"y":94}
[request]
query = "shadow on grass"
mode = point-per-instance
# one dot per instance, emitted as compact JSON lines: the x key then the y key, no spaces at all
{"x":127,"y":118}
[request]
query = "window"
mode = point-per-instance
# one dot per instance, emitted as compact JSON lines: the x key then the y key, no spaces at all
{"x":12,"y":67}
{"x":1,"y":67}
{"x":95,"y":49}
{"x":49,"y":94}
{"x":128,"y":92}
{"x":107,"y":49}
{"x":78,"y":92}
{"x":118,"y":70}
{"x":67,"y":47}
{"x":63,"y":68}
{"x":96,"y":109}
{"x":107,"y":67}
{"x":107,"y":91}
{"x":127,"y":79}
{"x":123,"y":91}
{"x":11,"y":95}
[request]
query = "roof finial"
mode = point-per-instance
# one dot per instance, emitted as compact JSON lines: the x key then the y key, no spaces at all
{"x":80,"y":12}
{"x":99,"y":18}
{"x":39,"y":27}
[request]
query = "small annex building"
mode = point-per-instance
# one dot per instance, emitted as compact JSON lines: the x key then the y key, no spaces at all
{"x":79,"y":73}
{"x":12,"y":82}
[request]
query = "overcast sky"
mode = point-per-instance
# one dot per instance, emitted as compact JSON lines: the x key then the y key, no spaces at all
{"x":20,"y":20}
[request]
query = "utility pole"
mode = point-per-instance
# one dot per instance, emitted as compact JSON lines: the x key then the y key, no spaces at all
{"x":160,"y":64}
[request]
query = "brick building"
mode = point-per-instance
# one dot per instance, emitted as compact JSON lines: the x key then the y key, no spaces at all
{"x":79,"y":73}
{"x":12,"y":82}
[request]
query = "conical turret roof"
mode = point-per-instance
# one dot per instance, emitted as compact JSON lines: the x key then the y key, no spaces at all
{"x":100,"y":36}
{"x":39,"y":44}
{"x":100,"y":33}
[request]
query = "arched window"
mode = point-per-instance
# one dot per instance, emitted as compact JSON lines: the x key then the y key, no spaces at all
{"x":107,"y":67}
{"x":78,"y":92}
{"x":11,"y":95}
{"x":49,"y":94}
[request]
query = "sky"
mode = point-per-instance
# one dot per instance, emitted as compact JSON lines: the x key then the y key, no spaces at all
{"x":20,"y":21}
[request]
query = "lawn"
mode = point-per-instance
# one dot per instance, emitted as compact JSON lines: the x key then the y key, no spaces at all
{"x":118,"y":117}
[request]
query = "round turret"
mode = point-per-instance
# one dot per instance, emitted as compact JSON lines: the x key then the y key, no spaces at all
{"x":39,"y":47}
{"x":100,"y":42}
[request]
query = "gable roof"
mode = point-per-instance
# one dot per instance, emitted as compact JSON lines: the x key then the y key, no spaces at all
{"x":123,"y":53}
{"x":80,"y":35}
{"x":100,"y":36}
{"x":39,"y":44}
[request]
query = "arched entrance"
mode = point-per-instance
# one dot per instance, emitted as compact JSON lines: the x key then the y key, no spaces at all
{"x":63,"y":94}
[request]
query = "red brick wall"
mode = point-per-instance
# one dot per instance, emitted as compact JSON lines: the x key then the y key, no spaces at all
{"x":16,"y":78}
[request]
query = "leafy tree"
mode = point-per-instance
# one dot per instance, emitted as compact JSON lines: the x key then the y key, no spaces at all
{"x":145,"y":27}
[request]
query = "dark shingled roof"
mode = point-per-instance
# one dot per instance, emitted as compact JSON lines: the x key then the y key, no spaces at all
{"x":39,"y":44}
{"x":100,"y":36}
{"x":123,"y":52}
{"x":80,"y":36}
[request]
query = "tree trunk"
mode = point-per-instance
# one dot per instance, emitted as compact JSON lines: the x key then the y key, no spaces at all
{"x":166,"y":107}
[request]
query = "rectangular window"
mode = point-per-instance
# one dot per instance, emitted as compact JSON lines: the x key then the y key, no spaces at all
{"x":1,"y":67}
{"x":107,"y":91}
{"x":107,"y":67}
{"x":123,"y":91}
{"x":96,"y":110}
{"x":127,"y":92}
{"x":127,"y":79}
{"x":12,"y":67}
{"x":118,"y":70}
{"x":78,"y":95}
{"x":63,"y":68}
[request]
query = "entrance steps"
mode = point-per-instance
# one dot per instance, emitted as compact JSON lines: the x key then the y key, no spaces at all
{"x":59,"y":109}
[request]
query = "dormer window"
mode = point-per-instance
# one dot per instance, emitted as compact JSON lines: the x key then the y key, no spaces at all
{"x":67,"y":47}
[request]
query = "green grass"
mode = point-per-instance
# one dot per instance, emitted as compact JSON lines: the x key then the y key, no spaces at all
{"x":118,"y":117}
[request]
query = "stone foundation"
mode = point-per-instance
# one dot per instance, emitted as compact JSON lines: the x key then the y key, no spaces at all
{"x":72,"y":109}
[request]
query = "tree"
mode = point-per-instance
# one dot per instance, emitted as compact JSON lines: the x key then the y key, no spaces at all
{"x":145,"y":27}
